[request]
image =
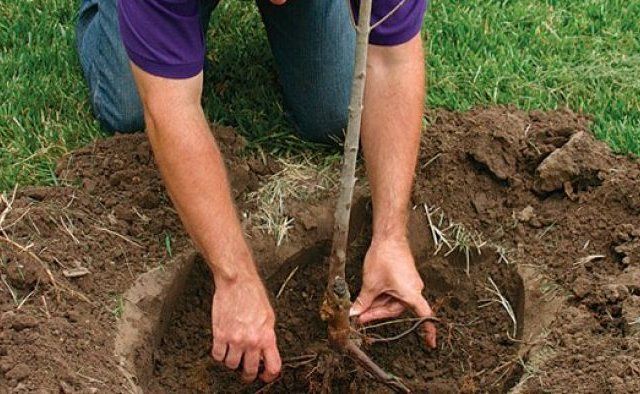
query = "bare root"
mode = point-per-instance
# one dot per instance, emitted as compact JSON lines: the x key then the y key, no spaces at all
{"x":403,"y":334}
{"x":390,"y":380}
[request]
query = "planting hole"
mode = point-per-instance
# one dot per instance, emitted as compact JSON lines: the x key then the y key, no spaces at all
{"x":477,"y":344}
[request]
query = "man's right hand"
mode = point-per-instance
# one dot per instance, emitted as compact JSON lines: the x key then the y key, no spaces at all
{"x":243,"y":328}
{"x":242,"y":319}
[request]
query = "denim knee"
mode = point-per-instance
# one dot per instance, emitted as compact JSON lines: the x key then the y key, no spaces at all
{"x":112,"y":90}
{"x":321,"y":123}
{"x":119,"y":112}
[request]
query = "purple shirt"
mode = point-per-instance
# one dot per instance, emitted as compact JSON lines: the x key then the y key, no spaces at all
{"x":164,"y":37}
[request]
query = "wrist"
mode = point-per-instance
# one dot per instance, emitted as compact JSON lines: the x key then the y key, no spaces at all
{"x":389,"y":233}
{"x":390,"y":224}
{"x":232,"y":266}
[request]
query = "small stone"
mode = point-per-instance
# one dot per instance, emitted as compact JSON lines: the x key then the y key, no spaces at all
{"x":89,"y":185}
{"x":526,"y":214}
{"x":6,"y":364}
{"x":582,"y":287}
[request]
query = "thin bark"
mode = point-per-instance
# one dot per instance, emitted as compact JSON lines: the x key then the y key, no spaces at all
{"x":337,"y":299}
{"x":338,"y":255}
{"x":337,"y":303}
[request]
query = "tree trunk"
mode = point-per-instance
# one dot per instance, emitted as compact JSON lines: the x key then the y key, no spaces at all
{"x":337,"y":300}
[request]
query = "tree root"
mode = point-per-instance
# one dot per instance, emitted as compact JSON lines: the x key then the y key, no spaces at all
{"x":390,"y":380}
{"x":403,"y":334}
{"x":335,"y":310}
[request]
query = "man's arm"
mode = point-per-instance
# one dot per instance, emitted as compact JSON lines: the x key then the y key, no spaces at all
{"x":194,"y":174}
{"x":392,"y":119}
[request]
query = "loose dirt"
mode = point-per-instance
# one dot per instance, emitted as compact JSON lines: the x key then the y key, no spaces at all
{"x":83,"y":263}
{"x":566,"y":210}
{"x":475,"y":340}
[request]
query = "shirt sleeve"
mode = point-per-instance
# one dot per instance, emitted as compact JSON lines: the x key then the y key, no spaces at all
{"x":163,"y":37}
{"x":400,"y":27}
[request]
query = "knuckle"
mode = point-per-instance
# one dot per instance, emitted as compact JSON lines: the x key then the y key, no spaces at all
{"x":252,"y":341}
{"x":269,"y":337}
{"x":236,"y":339}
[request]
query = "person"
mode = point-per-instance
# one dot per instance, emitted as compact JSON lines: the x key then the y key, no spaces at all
{"x":143,"y":61}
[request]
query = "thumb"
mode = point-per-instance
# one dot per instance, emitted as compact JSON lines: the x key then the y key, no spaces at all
{"x":362,"y":303}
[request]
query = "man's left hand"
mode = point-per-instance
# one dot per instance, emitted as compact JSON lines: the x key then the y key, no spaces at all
{"x":391,"y":284}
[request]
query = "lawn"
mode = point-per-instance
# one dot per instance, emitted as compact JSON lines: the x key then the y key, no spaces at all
{"x":534,"y":54}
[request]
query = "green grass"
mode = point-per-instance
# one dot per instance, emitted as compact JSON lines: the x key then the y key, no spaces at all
{"x":534,"y":54}
{"x":541,"y":55}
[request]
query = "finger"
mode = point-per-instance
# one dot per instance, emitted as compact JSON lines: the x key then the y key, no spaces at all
{"x":363,"y":302}
{"x":381,"y":300}
{"x":272,"y":363}
{"x":278,"y":2}
{"x":422,"y":309}
{"x":219,"y":350}
{"x":250,"y":363}
{"x":385,"y":311}
{"x":234,"y":355}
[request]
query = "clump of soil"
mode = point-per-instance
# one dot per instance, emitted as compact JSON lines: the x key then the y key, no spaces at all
{"x":535,"y":188}
{"x":477,"y":337}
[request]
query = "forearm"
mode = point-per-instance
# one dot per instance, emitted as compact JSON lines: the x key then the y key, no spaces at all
{"x":392,"y":119}
{"x":194,"y":174}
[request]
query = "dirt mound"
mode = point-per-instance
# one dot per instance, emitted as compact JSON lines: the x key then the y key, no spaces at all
{"x":69,"y":253}
{"x":530,"y":190}
{"x":562,"y":205}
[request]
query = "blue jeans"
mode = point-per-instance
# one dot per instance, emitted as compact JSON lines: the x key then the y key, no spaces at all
{"x":312,"y":41}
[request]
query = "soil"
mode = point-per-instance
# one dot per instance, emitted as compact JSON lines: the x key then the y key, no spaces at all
{"x":563,"y":207}
{"x":79,"y":260}
{"x":475,"y":340}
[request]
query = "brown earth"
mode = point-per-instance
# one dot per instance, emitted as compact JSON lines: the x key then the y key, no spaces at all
{"x":535,"y":187}
{"x":475,"y":341}
{"x":564,"y":207}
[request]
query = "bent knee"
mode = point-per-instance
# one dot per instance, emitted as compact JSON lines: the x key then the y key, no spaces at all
{"x":326,"y":126}
{"x":122,"y":123}
{"x":119,"y":114}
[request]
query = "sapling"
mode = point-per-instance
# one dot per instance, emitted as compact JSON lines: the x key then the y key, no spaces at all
{"x":337,"y":302}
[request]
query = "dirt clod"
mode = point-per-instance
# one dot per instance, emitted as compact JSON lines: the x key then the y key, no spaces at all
{"x":578,"y":163}
{"x":19,"y":372}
